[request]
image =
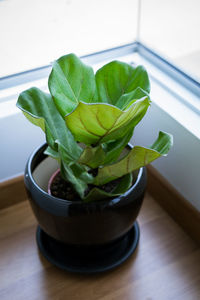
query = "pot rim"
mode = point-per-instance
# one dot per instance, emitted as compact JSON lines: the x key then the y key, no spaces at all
{"x":108,"y":202}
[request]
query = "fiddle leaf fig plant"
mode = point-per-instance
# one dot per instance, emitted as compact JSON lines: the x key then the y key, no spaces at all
{"x":88,"y":120}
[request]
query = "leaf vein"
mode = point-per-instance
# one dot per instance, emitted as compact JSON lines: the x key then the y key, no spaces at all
{"x":90,"y":132}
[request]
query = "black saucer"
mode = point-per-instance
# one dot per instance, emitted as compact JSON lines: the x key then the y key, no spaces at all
{"x":88,"y":259}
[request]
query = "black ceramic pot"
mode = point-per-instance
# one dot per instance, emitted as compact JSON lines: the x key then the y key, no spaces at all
{"x":78,"y":223}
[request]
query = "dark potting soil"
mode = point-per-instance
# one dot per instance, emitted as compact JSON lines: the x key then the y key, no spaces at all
{"x":63,"y":189}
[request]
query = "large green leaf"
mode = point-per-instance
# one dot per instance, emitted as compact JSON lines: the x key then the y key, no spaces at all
{"x":113,"y":149}
{"x":136,"y":158}
{"x":105,"y":153}
{"x":126,"y":100}
{"x":75,"y":173}
{"x":163,"y":143}
{"x":67,"y":173}
{"x":97,"y":194}
{"x":71,"y":81}
{"x":99,"y":123}
{"x":40,"y":109}
{"x":118,"y":78}
{"x":93,"y":157}
{"x":52,"y":153}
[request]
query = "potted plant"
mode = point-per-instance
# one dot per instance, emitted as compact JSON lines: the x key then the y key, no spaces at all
{"x":87,"y":203}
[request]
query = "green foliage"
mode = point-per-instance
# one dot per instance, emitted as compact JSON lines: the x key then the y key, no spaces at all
{"x":99,"y":110}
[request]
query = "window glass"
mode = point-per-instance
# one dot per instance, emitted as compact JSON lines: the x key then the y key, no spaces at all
{"x":33,"y":33}
{"x":172,"y":28}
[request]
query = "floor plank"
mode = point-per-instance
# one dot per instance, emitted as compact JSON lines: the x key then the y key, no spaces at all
{"x":166,"y":264}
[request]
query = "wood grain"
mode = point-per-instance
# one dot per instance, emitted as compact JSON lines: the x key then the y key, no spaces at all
{"x":12,"y":191}
{"x":177,"y":207}
{"x":165,"y":266}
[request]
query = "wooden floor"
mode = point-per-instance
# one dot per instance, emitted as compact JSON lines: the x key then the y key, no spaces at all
{"x":165,"y":266}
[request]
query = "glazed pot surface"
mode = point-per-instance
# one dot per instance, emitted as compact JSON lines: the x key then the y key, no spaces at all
{"x":75,"y":222}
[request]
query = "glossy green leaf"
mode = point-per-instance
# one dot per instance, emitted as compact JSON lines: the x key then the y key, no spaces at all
{"x":113,"y":149}
{"x":99,"y":123}
{"x":40,"y":109}
{"x":124,"y":185}
{"x":105,"y":153}
{"x":137,"y":157}
{"x":97,"y":194}
{"x":118,"y":78}
{"x":79,"y":185}
{"x":93,"y":157}
{"x":163,"y":143}
{"x":52,"y":153}
{"x":75,"y":173}
{"x":126,"y":100}
{"x":71,"y":81}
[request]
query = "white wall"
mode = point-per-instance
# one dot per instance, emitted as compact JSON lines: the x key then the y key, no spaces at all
{"x":182,"y":165}
{"x":18,"y":139}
